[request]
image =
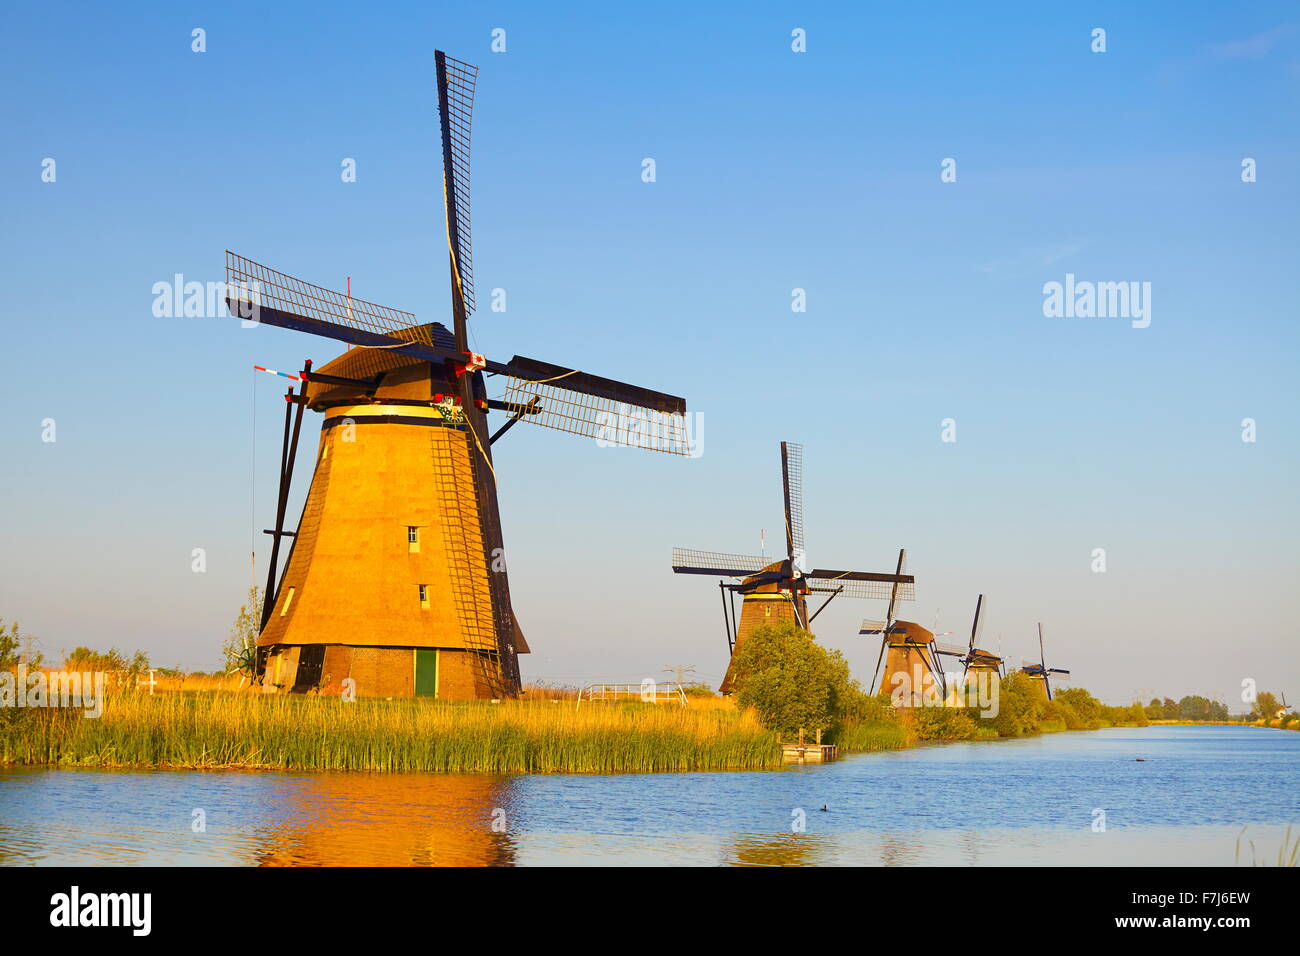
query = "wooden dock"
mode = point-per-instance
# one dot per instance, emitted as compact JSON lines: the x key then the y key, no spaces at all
{"x":808,"y":753}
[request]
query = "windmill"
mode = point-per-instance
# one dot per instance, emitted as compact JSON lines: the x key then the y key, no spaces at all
{"x":395,"y":578}
{"x":776,"y":591}
{"x":907,"y":649}
{"x":1040,"y":671}
{"x":974,"y":659}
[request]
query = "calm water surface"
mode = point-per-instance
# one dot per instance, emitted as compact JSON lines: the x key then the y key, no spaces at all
{"x":990,"y":803}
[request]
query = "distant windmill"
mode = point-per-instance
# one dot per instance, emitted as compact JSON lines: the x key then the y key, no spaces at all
{"x":776,"y":591}
{"x":905,"y":647}
{"x":974,"y":659}
{"x":1040,"y":671}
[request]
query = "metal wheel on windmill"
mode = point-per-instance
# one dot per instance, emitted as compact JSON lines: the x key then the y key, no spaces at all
{"x":396,"y":576}
{"x":974,"y":659}
{"x":1040,"y":671}
{"x":775,"y":591}
{"x":908,"y":650}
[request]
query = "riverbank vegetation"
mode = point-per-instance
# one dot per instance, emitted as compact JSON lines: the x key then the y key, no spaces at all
{"x":795,"y":684}
{"x":256,"y":731}
{"x":786,"y":684}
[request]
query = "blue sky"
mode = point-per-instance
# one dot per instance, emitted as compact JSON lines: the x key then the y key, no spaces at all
{"x":775,"y":170}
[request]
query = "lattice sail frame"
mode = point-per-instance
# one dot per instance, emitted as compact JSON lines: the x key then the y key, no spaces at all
{"x":745,"y":563}
{"x":461,"y":80}
{"x":977,"y":630}
{"x":792,"y":473}
{"x":951,"y":650}
{"x":868,"y":590}
{"x":249,"y":281}
{"x":608,"y":421}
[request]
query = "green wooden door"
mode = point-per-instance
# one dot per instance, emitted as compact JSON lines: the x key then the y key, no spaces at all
{"x":426,"y":672}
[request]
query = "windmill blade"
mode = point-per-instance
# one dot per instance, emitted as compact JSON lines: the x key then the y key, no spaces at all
{"x":951,"y":650}
{"x":259,"y":293}
{"x":1058,"y":674}
{"x":718,"y":564}
{"x":863,"y":584}
{"x":893,"y":593}
{"x":792,"y":488}
{"x":977,"y":625}
{"x":531,"y":372}
{"x":456,"y":82}
{"x":873,"y":627}
{"x":610,"y":411}
{"x":1042,"y":658}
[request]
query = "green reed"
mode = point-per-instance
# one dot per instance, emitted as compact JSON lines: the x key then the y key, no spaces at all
{"x":224,"y":730}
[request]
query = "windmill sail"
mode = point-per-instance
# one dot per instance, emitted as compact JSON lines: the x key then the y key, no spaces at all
{"x":262,"y":294}
{"x":863,"y":584}
{"x":792,"y":486}
{"x":456,"y":82}
{"x":951,"y":650}
{"x":977,"y":626}
{"x":716,"y":563}
{"x":580,"y":403}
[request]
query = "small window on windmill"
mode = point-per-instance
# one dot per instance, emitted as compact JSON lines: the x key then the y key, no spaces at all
{"x":413,"y":539}
{"x":424,"y":596}
{"x":288,"y":599}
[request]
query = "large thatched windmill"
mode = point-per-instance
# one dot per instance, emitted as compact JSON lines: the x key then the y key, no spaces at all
{"x":395,"y":584}
{"x":775,"y":591}
{"x":1040,"y":673}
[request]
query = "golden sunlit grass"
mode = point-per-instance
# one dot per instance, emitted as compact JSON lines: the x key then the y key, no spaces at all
{"x":246,"y":730}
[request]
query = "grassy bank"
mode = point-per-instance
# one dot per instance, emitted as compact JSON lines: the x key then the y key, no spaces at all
{"x":210,"y":729}
{"x":226,"y":730}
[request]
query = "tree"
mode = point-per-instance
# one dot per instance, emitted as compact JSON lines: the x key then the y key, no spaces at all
{"x":9,"y":642}
{"x":1266,"y":705}
{"x":111,"y":661}
{"x":238,"y":651}
{"x":11,"y":648}
{"x":792,"y":682}
{"x":1082,"y":703}
{"x":1196,"y":707}
{"x":1019,"y":706}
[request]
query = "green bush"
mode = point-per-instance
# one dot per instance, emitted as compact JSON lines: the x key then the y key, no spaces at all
{"x":792,"y":682}
{"x":1019,"y":707}
{"x":943,"y":723}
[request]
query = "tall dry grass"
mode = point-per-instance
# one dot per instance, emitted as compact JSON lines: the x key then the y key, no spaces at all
{"x":229,"y":730}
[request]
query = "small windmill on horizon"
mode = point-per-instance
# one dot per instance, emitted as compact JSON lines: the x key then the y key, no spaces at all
{"x":1039,"y":672}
